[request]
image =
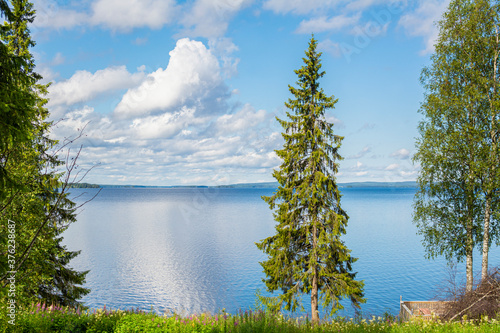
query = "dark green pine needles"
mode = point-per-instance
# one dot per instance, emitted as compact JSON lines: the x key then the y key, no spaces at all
{"x":307,"y":255}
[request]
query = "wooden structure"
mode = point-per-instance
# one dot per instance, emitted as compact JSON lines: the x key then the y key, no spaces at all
{"x":424,"y":309}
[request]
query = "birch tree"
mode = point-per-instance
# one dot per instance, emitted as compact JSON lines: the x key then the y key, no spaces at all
{"x":457,"y":202}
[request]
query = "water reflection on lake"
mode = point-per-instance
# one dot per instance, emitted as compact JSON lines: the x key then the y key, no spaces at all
{"x":193,"y":250}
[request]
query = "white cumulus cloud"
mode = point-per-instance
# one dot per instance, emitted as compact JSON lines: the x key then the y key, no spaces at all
{"x":192,"y":75}
{"x":421,"y":22}
{"x":84,"y":85}
{"x":164,"y":126}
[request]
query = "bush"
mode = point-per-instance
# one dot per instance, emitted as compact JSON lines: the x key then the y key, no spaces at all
{"x":483,"y":301}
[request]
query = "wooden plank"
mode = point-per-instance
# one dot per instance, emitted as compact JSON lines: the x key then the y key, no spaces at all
{"x":425,"y":311}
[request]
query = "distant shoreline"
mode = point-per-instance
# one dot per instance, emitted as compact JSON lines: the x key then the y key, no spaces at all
{"x":272,"y":185}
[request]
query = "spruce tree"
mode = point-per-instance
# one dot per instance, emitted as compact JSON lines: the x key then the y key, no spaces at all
{"x":16,"y":99}
{"x":29,"y":182}
{"x":307,"y":254}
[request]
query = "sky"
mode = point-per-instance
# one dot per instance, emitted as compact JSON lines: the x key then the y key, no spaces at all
{"x":170,"y":92}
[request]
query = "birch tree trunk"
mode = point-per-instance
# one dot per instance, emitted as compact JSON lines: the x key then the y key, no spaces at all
{"x":486,"y":237}
{"x":469,"y":258}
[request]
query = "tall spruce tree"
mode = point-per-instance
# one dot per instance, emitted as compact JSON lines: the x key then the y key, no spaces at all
{"x":30,"y":194}
{"x":456,"y":207}
{"x":16,"y":99}
{"x":307,"y":254}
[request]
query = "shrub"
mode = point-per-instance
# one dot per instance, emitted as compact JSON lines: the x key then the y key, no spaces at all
{"x":483,"y":301}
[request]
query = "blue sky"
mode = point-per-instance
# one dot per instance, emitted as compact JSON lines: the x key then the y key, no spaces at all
{"x":186,"y":92}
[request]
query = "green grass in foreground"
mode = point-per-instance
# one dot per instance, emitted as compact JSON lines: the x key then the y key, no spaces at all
{"x":53,"y":319}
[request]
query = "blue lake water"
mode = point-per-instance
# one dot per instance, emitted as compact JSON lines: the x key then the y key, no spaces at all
{"x":192,"y":250}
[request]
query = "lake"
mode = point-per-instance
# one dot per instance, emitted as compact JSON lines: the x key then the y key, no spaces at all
{"x":193,"y":250}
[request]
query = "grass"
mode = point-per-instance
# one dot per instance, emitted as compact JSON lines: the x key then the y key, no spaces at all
{"x":39,"y":318}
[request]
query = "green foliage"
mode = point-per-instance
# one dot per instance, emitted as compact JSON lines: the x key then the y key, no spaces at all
{"x":39,"y":318}
{"x":456,"y":149}
{"x":29,"y":182}
{"x":16,"y":105}
{"x":307,"y":255}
